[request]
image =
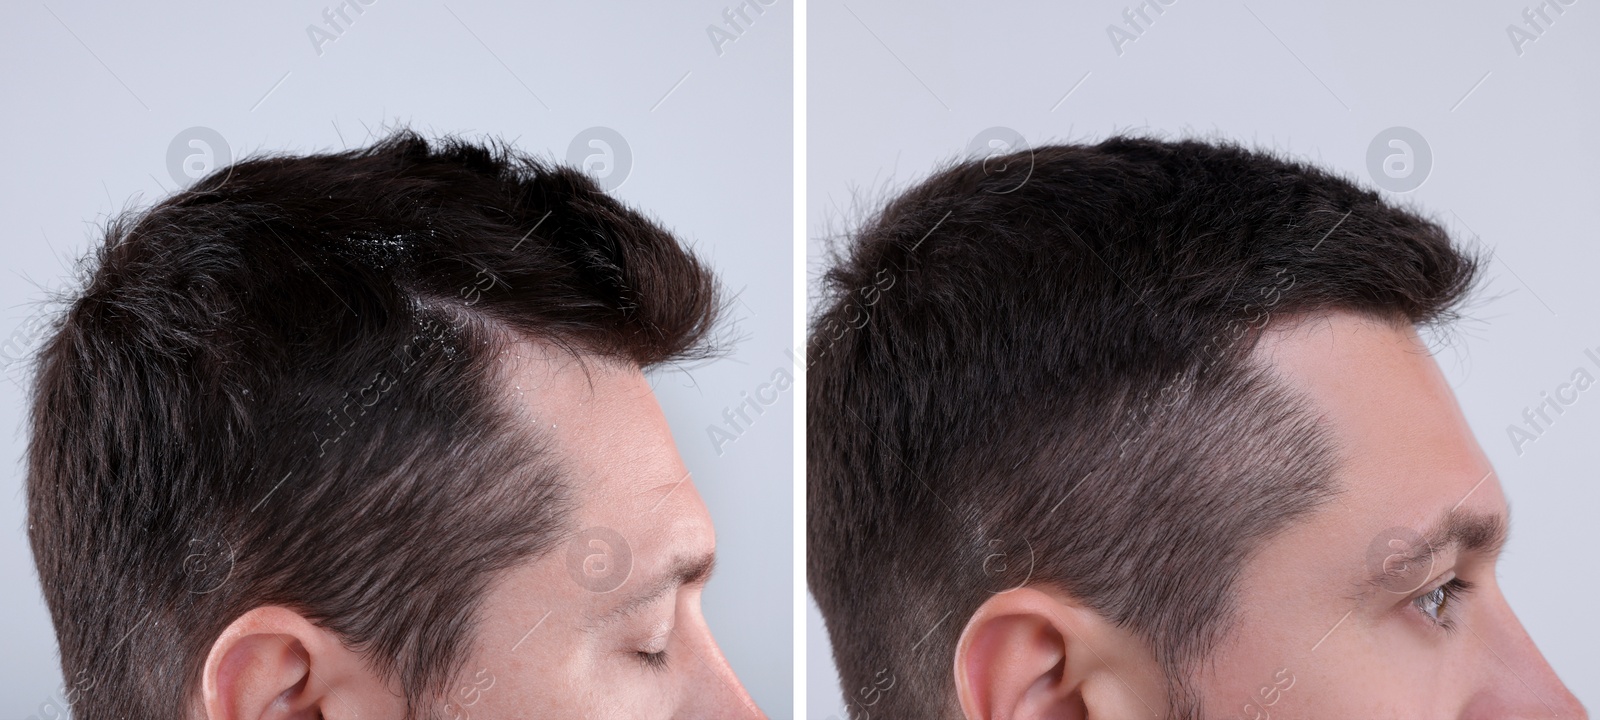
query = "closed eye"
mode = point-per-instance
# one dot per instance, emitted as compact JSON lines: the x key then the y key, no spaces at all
{"x":654,"y":660}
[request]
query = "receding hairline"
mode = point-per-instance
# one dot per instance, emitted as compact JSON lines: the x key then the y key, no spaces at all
{"x":956,"y":273}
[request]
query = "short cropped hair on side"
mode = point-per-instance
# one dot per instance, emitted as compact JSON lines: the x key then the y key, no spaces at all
{"x":1036,"y":369}
{"x":282,"y":386}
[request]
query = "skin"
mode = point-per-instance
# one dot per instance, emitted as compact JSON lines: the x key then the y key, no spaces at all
{"x":563,"y":636}
{"x":1330,"y":619}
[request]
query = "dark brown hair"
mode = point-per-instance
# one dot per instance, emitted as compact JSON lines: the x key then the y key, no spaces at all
{"x":1034,"y":370}
{"x":280,"y":386}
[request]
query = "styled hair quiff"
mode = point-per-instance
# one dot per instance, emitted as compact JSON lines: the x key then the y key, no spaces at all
{"x":281,"y":387}
{"x":1035,"y":369}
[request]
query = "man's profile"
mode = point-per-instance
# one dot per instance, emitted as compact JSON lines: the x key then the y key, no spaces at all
{"x":366,"y":434}
{"x":1146,"y":429}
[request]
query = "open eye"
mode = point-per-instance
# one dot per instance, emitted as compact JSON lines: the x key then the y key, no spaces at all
{"x":1436,"y":604}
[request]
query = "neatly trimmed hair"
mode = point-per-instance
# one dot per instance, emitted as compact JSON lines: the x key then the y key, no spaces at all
{"x":283,"y":386}
{"x":1036,"y":370}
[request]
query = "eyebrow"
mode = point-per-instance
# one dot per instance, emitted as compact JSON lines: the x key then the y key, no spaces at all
{"x":684,"y":570}
{"x":1470,"y":532}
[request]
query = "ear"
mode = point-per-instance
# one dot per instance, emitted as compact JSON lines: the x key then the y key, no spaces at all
{"x":273,"y":664}
{"x":1031,"y":654}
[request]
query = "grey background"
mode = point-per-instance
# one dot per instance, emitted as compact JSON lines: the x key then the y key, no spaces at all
{"x":896,"y":87}
{"x":95,"y":93}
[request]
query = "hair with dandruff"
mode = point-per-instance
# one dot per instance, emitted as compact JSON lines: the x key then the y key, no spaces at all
{"x":282,"y":386}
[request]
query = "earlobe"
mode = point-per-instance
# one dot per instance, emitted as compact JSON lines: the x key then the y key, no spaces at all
{"x":1031,"y":654}
{"x":273,"y":664}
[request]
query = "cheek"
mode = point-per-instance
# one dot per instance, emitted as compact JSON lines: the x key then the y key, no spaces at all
{"x":1360,"y":683}
{"x":530,"y":659}
{"x":559,"y":692}
{"x":540,"y":673}
{"x":1309,"y":663}
{"x":1253,"y":677}
{"x":1369,"y":667}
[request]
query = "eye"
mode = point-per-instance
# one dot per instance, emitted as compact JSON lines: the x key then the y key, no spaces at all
{"x":1436,"y":604}
{"x":653,"y":660}
{"x":653,"y":652}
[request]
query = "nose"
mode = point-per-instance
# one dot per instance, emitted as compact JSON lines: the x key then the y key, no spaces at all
{"x":715,"y":693}
{"x":1518,"y":682}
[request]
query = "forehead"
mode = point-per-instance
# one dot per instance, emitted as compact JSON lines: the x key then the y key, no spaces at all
{"x":1406,"y":453}
{"x":602,"y":421}
{"x":600,"y":414}
{"x":1405,"y":458}
{"x":636,"y":515}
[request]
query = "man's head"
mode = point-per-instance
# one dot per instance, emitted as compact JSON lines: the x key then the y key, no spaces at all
{"x":367,"y":434}
{"x":1145,"y":429}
